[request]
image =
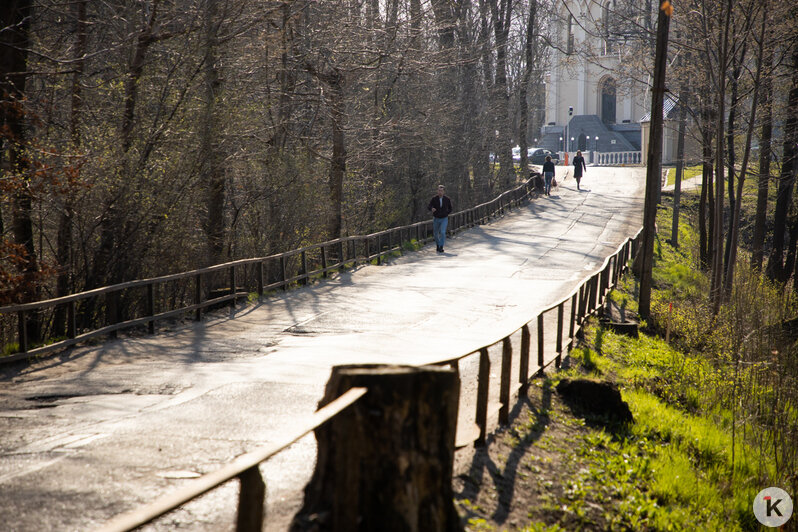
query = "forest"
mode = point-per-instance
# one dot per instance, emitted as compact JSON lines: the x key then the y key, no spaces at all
{"x":147,"y":137}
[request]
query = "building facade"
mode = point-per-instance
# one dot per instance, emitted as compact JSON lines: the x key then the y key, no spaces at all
{"x":591,"y":105}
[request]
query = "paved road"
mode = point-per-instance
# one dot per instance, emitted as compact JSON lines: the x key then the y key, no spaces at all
{"x":102,"y":429}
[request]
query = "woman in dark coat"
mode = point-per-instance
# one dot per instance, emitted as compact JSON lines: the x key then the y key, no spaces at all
{"x":579,"y":167}
{"x":548,"y":174}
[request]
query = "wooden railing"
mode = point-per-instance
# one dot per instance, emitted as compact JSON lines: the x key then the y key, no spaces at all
{"x":142,"y":303}
{"x":583,"y":301}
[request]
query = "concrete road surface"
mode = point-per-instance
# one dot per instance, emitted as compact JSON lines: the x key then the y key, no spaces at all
{"x":102,"y":429}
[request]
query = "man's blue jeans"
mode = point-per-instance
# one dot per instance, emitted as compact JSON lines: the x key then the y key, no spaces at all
{"x":439,"y":230}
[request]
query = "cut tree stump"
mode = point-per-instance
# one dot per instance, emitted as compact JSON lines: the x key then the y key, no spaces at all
{"x":385,"y":463}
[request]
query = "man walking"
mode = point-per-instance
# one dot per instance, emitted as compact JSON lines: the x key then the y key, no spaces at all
{"x":441,"y":207}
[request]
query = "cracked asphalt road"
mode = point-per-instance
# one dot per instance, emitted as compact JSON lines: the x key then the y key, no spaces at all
{"x":100,"y":430}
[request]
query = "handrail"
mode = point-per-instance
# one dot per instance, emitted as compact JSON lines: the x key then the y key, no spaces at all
{"x":590,"y":295}
{"x":236,"y":468}
{"x":313,"y":259}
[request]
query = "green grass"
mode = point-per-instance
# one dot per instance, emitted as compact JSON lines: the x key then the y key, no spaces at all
{"x":689,"y":172}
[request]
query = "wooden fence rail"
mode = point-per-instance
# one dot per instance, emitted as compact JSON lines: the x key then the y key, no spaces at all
{"x":144,"y":302}
{"x":583,"y":301}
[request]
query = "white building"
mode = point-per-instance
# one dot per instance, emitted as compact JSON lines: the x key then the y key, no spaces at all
{"x":590,"y":104}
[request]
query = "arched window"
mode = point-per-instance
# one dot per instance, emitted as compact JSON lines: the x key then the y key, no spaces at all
{"x":608,"y":103}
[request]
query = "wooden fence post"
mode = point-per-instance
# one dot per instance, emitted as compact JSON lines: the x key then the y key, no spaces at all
{"x":250,"y":501}
{"x":483,"y":387}
{"x":541,"y":347}
{"x":504,"y":387}
{"x":198,"y":297}
{"x":151,"y":307}
{"x":523,"y":364}
{"x":386,"y":462}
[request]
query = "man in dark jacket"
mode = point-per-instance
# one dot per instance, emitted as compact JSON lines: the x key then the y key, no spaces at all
{"x":441,"y":207}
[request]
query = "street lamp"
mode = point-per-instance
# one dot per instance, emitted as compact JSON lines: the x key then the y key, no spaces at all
{"x":561,"y":146}
{"x":587,"y":142}
{"x":596,"y":147}
{"x":571,"y":146}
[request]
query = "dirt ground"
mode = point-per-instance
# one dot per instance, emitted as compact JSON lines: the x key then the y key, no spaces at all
{"x":524,"y":477}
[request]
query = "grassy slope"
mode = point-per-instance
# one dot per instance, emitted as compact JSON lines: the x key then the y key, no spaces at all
{"x":678,"y":467}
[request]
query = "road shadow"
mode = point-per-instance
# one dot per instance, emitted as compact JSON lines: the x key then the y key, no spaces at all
{"x":485,"y":474}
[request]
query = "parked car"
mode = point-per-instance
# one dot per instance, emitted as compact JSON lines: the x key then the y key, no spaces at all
{"x":534,"y":155}
{"x":538,"y":156}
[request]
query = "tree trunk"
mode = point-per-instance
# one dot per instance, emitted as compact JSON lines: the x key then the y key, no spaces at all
{"x":734,"y":228}
{"x":338,"y":163}
{"x":654,"y":170}
{"x":522,"y":96}
{"x":64,"y":244}
{"x":501,"y":100}
{"x":385,"y":463}
{"x":677,"y":187}
{"x":211,"y":172}
{"x":716,"y":273}
{"x":763,"y":184}
{"x":15,"y":20}
{"x":777,"y":269}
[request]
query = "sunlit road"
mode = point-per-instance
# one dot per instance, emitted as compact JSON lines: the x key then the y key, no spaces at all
{"x":103,"y":429}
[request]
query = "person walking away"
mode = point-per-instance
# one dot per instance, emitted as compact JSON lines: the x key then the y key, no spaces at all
{"x":579,"y":167}
{"x":548,"y":174}
{"x":441,"y":207}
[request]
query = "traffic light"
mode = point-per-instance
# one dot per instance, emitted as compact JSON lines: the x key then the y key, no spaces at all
{"x":570,"y":111}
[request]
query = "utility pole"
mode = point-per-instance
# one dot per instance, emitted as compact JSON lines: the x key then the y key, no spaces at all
{"x":654,"y":169}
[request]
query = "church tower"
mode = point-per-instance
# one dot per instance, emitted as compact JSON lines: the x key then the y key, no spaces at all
{"x":592,"y":104}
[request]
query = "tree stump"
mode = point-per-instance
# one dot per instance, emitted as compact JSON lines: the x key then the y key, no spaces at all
{"x":385,"y":463}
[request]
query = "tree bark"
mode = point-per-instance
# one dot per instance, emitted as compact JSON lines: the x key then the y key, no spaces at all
{"x":716,"y":273}
{"x":654,"y":170}
{"x":385,"y":463}
{"x":765,"y":150}
{"x":777,"y":270}
{"x":211,"y":172}
{"x":501,"y":15}
{"x":734,"y":227}
{"x":522,"y":96}
{"x":64,"y":244}
{"x":15,"y":21}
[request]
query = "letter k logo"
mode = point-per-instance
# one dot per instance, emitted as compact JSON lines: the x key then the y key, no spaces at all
{"x":772,"y":506}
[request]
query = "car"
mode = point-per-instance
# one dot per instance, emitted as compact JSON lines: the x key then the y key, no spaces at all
{"x":534,"y":155}
{"x":538,"y":156}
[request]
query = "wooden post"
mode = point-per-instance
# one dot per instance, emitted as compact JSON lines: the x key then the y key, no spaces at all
{"x":523,"y":369}
{"x":573,"y":318}
{"x":386,"y":462}
{"x":111,"y":311}
{"x":323,"y":263}
{"x":251,"y":495}
{"x":233,"y":289}
{"x":341,"y":256}
{"x":72,"y":329}
{"x":198,"y":297}
{"x":304,"y":279}
{"x":483,"y":387}
{"x":558,"y":360}
{"x":504,"y":387}
{"x":260,"y":278}
{"x":282,"y":273}
{"x":22,"y":331}
{"x":151,"y":307}
{"x":541,"y":358}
